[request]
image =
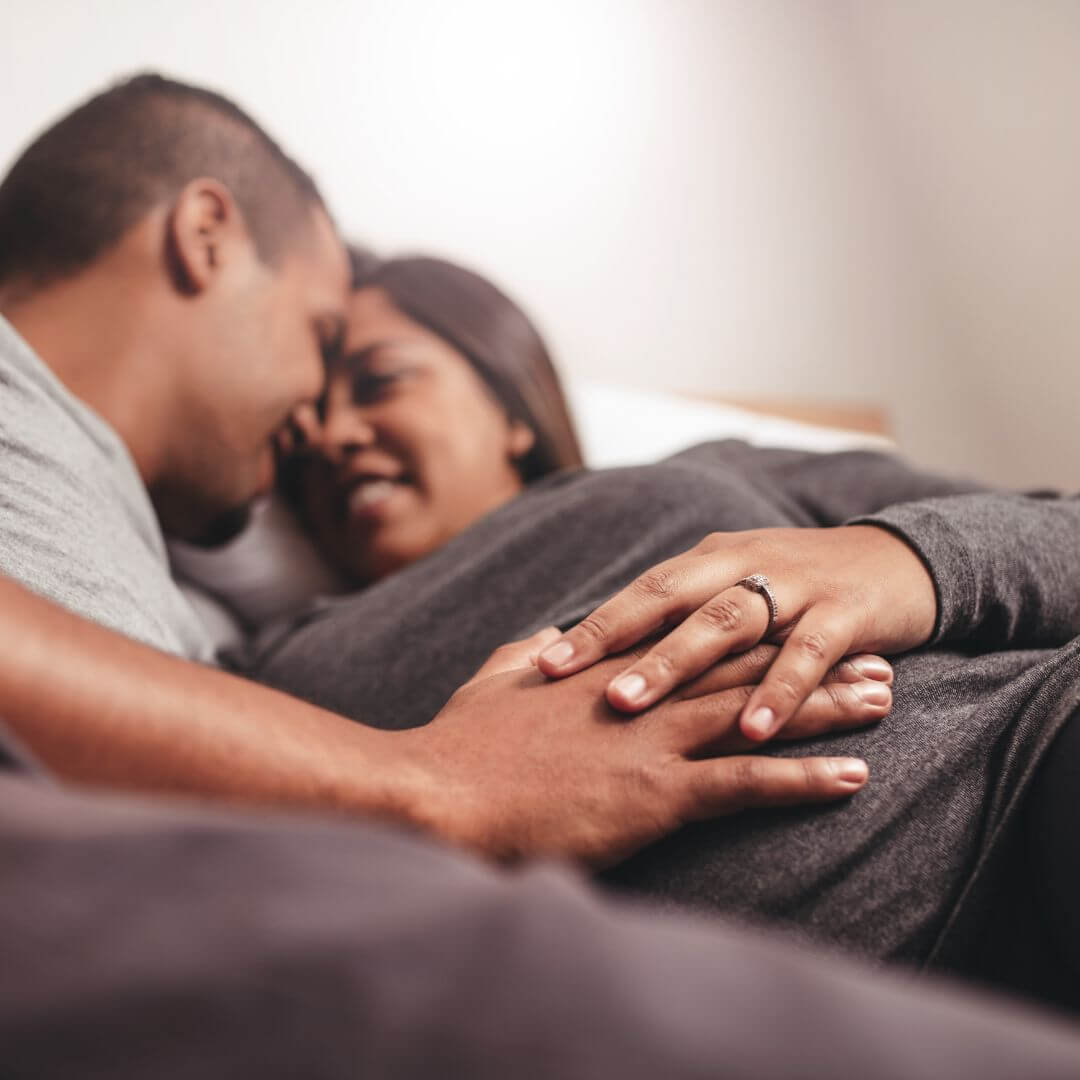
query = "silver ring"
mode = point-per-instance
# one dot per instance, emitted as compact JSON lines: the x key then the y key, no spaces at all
{"x":759,"y":583}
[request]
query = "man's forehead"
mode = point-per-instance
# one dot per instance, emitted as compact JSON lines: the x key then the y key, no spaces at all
{"x":321,"y":268}
{"x":333,"y":248}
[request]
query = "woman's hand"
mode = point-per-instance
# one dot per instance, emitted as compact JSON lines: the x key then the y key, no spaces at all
{"x":838,"y":591}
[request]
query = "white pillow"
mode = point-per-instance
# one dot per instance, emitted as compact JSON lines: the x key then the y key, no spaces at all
{"x":270,"y":571}
{"x":621,"y":425}
{"x":273,"y":570}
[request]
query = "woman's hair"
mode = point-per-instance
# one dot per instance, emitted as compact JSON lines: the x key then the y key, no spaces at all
{"x":494,"y":335}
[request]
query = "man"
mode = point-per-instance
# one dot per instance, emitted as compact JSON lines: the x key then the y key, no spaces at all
{"x":170,"y":281}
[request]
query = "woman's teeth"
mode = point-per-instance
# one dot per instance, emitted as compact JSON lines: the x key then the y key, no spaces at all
{"x":370,"y":492}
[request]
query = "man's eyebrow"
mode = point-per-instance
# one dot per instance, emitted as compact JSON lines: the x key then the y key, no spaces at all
{"x":330,"y":328}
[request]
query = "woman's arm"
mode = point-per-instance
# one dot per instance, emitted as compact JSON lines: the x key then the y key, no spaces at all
{"x":836,"y":487}
{"x":998,"y":570}
{"x":1005,"y":568}
{"x":828,"y":489}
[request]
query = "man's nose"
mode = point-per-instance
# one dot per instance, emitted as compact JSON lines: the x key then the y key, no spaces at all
{"x":305,"y":426}
{"x":342,"y":431}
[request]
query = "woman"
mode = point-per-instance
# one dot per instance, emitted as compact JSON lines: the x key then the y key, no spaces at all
{"x":904,"y":870}
{"x":444,"y":405}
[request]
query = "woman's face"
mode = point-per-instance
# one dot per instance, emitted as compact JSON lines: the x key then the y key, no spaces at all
{"x":413,"y":448}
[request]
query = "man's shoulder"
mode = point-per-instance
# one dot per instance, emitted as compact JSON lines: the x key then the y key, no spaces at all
{"x":58,"y":454}
{"x":35,"y":405}
{"x":76,"y":523}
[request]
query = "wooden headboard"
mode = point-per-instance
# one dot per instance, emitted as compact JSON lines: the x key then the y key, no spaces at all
{"x":869,"y":417}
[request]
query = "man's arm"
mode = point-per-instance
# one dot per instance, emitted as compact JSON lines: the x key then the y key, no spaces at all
{"x":512,"y":765}
{"x":102,"y":709}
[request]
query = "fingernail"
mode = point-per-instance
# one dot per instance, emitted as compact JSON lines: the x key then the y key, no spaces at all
{"x":560,"y":653}
{"x":761,"y":722}
{"x":629,"y":687}
{"x":873,"y":693}
{"x":851,"y":770}
{"x":872,"y":668}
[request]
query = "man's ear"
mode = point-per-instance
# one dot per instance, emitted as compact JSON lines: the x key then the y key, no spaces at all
{"x":202,"y":232}
{"x":522,"y":439}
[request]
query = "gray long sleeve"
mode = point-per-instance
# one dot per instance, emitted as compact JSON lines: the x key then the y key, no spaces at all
{"x":1006,"y":568}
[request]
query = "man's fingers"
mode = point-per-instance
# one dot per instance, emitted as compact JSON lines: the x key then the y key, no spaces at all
{"x":669,"y":590}
{"x":819,"y":639}
{"x":515,"y":654}
{"x":730,"y":621}
{"x":747,"y":669}
{"x":744,"y":669}
{"x":859,"y":667}
{"x":710,"y":724}
{"x":728,"y":785}
{"x":837,"y":706}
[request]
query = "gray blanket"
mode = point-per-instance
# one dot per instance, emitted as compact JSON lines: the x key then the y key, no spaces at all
{"x":901,"y":871}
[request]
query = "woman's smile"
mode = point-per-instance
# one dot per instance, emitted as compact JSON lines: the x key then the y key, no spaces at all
{"x":372,"y":498}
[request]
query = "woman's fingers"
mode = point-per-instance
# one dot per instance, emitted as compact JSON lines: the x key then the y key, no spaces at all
{"x":728,"y":785}
{"x":670,"y":590}
{"x":731,"y":621}
{"x":817,"y":641}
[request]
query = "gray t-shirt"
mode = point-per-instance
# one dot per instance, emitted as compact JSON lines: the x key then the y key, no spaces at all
{"x":76,"y":522}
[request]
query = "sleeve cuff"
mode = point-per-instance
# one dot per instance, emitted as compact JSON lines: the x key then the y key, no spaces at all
{"x":946,"y":557}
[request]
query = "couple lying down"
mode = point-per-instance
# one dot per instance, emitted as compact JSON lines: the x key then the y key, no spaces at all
{"x":169,"y":279}
{"x":442,"y":478}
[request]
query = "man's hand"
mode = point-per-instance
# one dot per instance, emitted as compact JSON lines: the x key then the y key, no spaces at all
{"x":839,"y":591}
{"x":512,"y":765}
{"x":519,"y":765}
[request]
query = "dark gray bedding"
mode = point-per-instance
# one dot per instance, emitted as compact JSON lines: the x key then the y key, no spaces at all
{"x":904,"y":869}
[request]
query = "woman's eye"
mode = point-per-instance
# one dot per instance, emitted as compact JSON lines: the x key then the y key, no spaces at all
{"x":367,"y":386}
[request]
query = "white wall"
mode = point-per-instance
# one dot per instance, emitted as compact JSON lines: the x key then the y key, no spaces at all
{"x":830,"y":198}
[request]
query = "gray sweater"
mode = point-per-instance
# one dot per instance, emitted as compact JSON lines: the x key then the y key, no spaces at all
{"x":903,"y":870}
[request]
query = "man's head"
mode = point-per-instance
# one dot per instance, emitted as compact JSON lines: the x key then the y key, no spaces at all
{"x":212,"y":251}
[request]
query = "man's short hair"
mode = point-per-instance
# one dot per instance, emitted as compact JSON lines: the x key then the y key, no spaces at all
{"x":93,"y":175}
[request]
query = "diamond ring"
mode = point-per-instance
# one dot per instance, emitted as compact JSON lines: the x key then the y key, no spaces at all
{"x":759,"y":583}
